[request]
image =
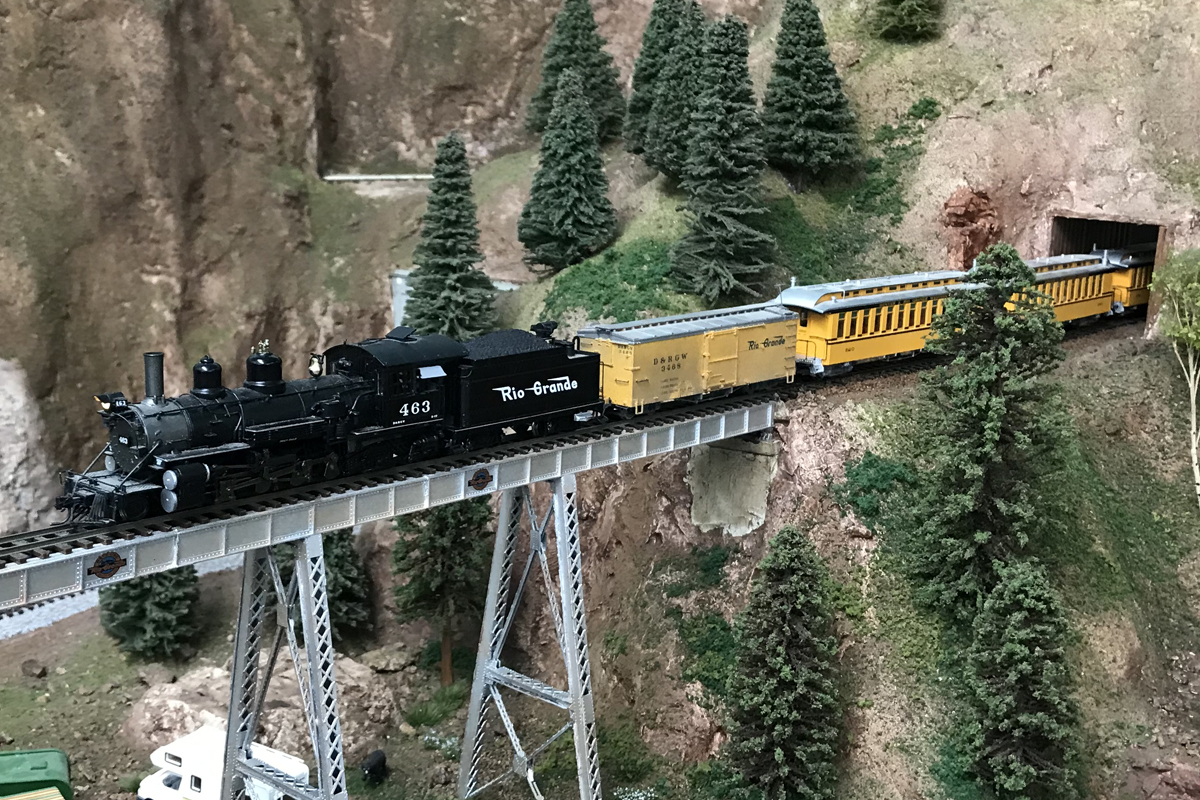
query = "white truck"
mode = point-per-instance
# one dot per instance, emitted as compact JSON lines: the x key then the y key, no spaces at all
{"x":191,"y":768}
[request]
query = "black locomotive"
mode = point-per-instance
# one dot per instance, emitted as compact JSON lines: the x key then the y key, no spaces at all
{"x":364,"y":407}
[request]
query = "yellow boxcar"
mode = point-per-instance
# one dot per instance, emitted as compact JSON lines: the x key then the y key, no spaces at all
{"x":656,"y":361}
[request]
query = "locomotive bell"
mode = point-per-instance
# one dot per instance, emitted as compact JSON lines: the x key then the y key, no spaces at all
{"x":206,"y":378}
{"x":264,"y":370}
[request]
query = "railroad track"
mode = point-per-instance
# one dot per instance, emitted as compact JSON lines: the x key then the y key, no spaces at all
{"x":64,"y":538}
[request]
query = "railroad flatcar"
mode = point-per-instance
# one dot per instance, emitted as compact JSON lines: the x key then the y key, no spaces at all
{"x":647,"y":363}
{"x":848,"y":322}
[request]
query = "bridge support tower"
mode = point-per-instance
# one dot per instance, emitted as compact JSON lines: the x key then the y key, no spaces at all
{"x":304,"y":597}
{"x":506,"y":588}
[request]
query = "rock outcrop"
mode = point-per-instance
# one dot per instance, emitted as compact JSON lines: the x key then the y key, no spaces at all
{"x":200,"y":697}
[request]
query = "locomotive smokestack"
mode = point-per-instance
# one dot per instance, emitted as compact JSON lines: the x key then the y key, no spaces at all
{"x":154,"y":376}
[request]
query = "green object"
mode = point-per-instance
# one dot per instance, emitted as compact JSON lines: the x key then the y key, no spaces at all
{"x":575,"y":45}
{"x":346,"y":584}
{"x":657,"y":40}
{"x":725,"y":250}
{"x":1020,"y":680}
{"x":568,"y":216}
{"x":444,"y":555}
{"x":668,"y":129}
{"x":152,"y":616}
{"x":783,"y":696}
{"x":809,"y":127}
{"x":448,"y":293}
{"x":29,"y":770}
{"x":994,"y":428}
{"x":1177,"y":282}
{"x":909,"y":20}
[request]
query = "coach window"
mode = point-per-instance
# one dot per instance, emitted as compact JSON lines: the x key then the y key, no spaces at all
{"x":841,"y":325}
{"x":853,"y":322}
{"x":887,"y":326}
{"x":803,"y":319}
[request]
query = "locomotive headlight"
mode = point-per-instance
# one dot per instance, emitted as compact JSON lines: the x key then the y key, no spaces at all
{"x":110,"y":463}
{"x":111,"y":400}
{"x":315,"y":364}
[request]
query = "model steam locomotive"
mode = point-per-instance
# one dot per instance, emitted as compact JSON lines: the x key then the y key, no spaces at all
{"x":364,"y":407}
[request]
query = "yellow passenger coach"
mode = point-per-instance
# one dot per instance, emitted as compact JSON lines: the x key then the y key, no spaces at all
{"x":648,"y":362}
{"x":839,"y":324}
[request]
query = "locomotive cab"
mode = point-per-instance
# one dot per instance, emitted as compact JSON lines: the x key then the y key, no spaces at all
{"x":409,"y":374}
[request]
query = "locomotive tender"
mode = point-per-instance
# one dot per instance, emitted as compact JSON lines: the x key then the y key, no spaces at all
{"x":406,"y":398}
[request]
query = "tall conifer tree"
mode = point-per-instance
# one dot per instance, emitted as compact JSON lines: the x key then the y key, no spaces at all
{"x":1020,"y":683}
{"x":723,"y":252}
{"x":783,"y":695}
{"x":576,"y":45}
{"x":568,"y":216}
{"x":656,"y":48}
{"x":448,"y":294}
{"x":152,"y":616}
{"x":809,"y":127}
{"x":668,"y":128}
{"x":443,"y":553}
{"x":993,"y":424}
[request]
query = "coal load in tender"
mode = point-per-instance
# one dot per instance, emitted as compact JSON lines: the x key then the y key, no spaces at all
{"x":512,"y":375}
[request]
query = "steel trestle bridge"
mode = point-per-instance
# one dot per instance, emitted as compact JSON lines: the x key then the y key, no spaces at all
{"x":42,"y":565}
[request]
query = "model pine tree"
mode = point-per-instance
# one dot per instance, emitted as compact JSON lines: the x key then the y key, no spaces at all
{"x":668,"y":128}
{"x":909,"y":20}
{"x":993,"y":425}
{"x":443,"y":554}
{"x":723,"y":251}
{"x":1020,"y":682}
{"x":346,"y":585}
{"x":568,"y":216}
{"x":656,"y":47}
{"x":447,"y":293}
{"x":152,"y":616}
{"x":783,"y":694}
{"x":575,"y":45}
{"x":808,"y":125}
{"x":345,"y":581}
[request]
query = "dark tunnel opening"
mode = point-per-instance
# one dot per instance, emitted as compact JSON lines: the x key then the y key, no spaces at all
{"x":1071,"y":235}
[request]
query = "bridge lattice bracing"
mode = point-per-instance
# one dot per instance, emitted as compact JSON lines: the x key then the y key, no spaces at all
{"x":566,"y":610}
